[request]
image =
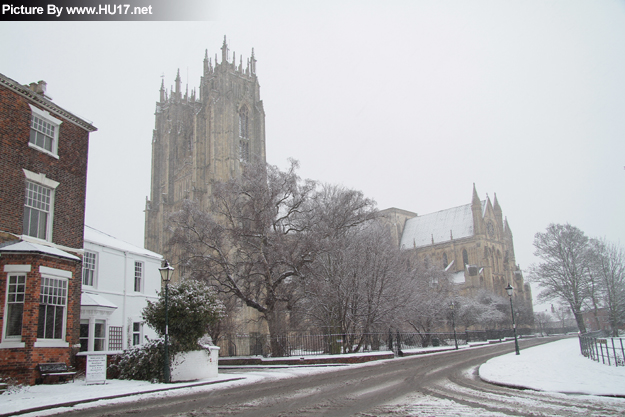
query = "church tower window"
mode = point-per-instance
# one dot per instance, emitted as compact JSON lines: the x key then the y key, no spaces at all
{"x":445,"y":261}
{"x":465,"y":257}
{"x":244,"y":140}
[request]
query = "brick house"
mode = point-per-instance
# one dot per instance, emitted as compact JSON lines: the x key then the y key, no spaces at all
{"x":43,"y":152}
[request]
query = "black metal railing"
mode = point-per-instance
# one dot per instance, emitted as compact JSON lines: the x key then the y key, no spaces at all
{"x":301,"y":344}
{"x":607,"y":350}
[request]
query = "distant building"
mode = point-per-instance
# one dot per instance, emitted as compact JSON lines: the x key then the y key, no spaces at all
{"x":117,"y":281}
{"x":599,"y":319}
{"x":473,"y":242}
{"x":43,"y":154}
{"x":200,"y":139}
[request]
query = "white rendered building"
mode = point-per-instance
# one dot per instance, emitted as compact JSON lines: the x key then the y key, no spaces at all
{"x":117,"y":281}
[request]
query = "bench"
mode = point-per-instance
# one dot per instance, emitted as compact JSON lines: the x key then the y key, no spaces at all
{"x":59,"y":369}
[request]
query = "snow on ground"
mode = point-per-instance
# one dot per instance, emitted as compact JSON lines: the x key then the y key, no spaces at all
{"x":80,"y":395}
{"x":556,"y":366}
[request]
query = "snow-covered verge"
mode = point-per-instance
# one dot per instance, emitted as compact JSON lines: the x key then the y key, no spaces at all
{"x":557,"y":366}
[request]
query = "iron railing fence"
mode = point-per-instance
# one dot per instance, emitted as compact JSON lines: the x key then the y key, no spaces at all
{"x":607,"y":350}
{"x":300,"y":344}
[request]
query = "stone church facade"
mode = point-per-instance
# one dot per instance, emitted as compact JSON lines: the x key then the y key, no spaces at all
{"x":473,"y":242}
{"x":200,"y":139}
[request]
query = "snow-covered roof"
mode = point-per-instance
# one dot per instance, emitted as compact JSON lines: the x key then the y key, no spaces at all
{"x":440,"y":226}
{"x":458,"y":277}
{"x":100,"y":238}
{"x":94,"y":300}
{"x":23,"y":246}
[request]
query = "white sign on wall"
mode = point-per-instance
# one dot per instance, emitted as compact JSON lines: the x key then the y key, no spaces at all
{"x":96,"y":369}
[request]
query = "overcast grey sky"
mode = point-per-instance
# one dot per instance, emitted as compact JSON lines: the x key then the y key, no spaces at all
{"x":409,"y":101}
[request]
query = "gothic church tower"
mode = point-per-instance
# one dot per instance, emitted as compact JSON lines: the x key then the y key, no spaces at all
{"x":201,"y":139}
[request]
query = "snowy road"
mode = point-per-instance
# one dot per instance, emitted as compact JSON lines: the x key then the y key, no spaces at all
{"x":434,"y":385}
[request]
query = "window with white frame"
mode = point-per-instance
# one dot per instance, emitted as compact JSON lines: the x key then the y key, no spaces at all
{"x":52,"y":305}
{"x":92,"y":335}
{"x":137,"y":328}
{"x":44,"y":131}
{"x":84,"y":335}
{"x":89,"y":268}
{"x":138,"y":276}
{"x":16,"y":291}
{"x":37,"y":210}
{"x":99,"y":335}
{"x":38,"y":205}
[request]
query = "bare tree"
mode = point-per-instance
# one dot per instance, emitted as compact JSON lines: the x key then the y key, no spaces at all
{"x":358,"y":284}
{"x":608,"y":265}
{"x":432,"y":292}
{"x":486,"y":310}
{"x":541,"y":319}
{"x":258,"y":237}
{"x":469,"y":312}
{"x":496,"y":310}
{"x":563,"y":314}
{"x":563,"y":272}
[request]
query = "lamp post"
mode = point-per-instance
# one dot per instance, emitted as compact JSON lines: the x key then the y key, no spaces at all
{"x":166,"y":273}
{"x":453,"y":321}
{"x":509,"y":290}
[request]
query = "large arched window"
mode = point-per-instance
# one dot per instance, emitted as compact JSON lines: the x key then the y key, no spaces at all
{"x":465,"y":257}
{"x":244,"y":142}
{"x":243,"y":123}
{"x":445,"y":261}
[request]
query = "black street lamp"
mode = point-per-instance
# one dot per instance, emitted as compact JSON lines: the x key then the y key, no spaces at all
{"x":509,"y":290}
{"x":166,"y":273}
{"x":453,"y":321}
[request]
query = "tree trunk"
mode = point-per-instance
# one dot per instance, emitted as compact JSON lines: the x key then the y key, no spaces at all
{"x":277,"y":336}
{"x":580,"y":320}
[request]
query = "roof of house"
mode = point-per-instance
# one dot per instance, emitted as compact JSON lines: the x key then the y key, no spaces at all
{"x":100,"y":238}
{"x":88,"y":299}
{"x":439,"y":227}
{"x":46,"y":103}
{"x":26,"y":247}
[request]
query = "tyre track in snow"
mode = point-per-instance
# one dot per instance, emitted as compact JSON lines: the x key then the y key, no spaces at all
{"x":465,"y":394}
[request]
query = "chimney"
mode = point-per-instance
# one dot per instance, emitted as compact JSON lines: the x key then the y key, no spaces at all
{"x":39,"y":87}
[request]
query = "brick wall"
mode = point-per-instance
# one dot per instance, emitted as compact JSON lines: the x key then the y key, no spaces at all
{"x":70,"y":170}
{"x":20,"y":363}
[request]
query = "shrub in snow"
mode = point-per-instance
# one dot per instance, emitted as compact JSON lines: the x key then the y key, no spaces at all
{"x":144,"y":362}
{"x":192,"y":308}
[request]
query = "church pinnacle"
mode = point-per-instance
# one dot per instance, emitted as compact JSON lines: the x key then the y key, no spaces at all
{"x":476,"y":198}
{"x":224,"y":51}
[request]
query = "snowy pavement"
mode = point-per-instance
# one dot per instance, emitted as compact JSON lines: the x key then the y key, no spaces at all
{"x":555,"y":367}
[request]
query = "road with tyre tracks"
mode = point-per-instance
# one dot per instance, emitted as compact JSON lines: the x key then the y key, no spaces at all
{"x":444,"y":384}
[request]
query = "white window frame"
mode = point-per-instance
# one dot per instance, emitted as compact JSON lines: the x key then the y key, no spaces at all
{"x":94,"y":271}
{"x":84,"y":322}
{"x":141,"y":277}
{"x":139,"y":333}
{"x":46,"y":117}
{"x":43,"y":181}
{"x":91,"y":323}
{"x":103,"y":338}
{"x":61,"y":275}
{"x":12,"y":342}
